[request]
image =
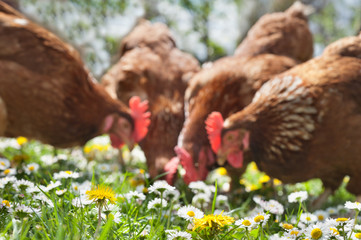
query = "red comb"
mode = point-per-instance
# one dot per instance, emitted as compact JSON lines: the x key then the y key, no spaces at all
{"x":171,"y":167}
{"x":138,"y":111}
{"x":214,"y":125}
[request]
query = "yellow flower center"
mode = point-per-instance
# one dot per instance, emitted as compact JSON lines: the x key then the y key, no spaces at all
{"x":357,"y":203}
{"x":68,"y":172}
{"x":316,"y":233}
{"x":7,"y":171}
{"x":2,"y":163}
{"x":320,"y":217}
{"x":145,"y":190}
{"x":222,"y":171}
{"x":21,"y":140}
{"x":76,"y":188}
{"x":294,"y":232}
{"x":259,"y":218}
{"x":341,"y":219}
{"x":190,"y":213}
{"x":31,"y":168}
{"x":142,"y":171}
{"x":246,"y":223}
{"x":308,"y":219}
{"x":287,"y":226}
{"x":335,"y":231}
{"x":6,"y":202}
{"x":358,"y":235}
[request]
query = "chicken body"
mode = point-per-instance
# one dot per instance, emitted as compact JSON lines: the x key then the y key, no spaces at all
{"x":154,"y":69}
{"x":230,"y":83}
{"x":306,"y":122}
{"x":47,"y":94}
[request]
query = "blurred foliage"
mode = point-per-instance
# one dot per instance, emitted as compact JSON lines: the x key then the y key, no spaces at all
{"x":96,"y":27}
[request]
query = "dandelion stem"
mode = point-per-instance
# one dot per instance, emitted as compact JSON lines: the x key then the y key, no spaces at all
{"x":99,"y":219}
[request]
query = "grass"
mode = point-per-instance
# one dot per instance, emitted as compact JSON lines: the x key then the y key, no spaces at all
{"x":53,"y":202}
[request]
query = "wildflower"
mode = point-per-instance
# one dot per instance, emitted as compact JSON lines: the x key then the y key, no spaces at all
{"x":222,"y":201}
{"x":104,"y":167}
{"x":264,"y":179}
{"x":215,"y":222}
{"x":50,"y":186}
{"x":246,"y":223}
{"x":49,"y":159}
{"x":297,"y":196}
{"x":200,"y":187}
{"x":81,"y":187}
{"x":135,"y":195}
{"x":353,"y":205}
{"x":81,"y":201}
{"x":172,"y":195}
{"x":66,"y":175}
{"x":160,"y":186}
{"x":201,"y":200}
{"x":321,"y":215}
{"x":100,"y":194}
{"x":60,"y":192}
{"x":190,"y":213}
{"x":8,"y":179}
{"x":31,"y":168}
{"x":5,"y":203}
{"x":4,"y":163}
{"x":157,"y":203}
{"x":21,"y":140}
{"x":43,"y":198}
{"x":293,"y":233}
{"x":308,"y":218}
{"x":332,"y":210}
{"x":177,"y":235}
{"x":287,"y":226}
{"x":23,"y":184}
{"x":356,"y":236}
{"x":272,"y":206}
{"x":317,"y":231}
{"x":23,"y":210}
{"x":261,"y":218}
{"x":8,"y":172}
{"x":221,"y":171}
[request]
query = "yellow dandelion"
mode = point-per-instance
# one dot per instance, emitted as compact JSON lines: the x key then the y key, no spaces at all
{"x":87,"y":149}
{"x":6,"y":203}
{"x":215,"y":222}
{"x":22,"y":140}
{"x":265,"y":178}
{"x":253,"y":167}
{"x":221,"y":171}
{"x":100,"y":194}
{"x":341,"y":219}
{"x":277,"y":182}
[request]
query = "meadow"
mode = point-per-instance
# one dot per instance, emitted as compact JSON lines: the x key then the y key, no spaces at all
{"x":87,"y":193}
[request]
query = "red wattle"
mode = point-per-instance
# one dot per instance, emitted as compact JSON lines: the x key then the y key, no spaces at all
{"x":235,"y":159}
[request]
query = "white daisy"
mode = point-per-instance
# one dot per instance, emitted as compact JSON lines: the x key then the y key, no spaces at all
{"x":31,"y":168}
{"x":172,"y":195}
{"x":134,"y":195}
{"x":293,"y":233}
{"x":317,"y":231}
{"x":104,"y":167}
{"x":321,"y":215}
{"x":117,"y":217}
{"x":66,"y":175}
{"x":308,"y":218}
{"x":81,"y":188}
{"x":23,"y":184}
{"x":61,"y":192}
{"x":5,"y":203}
{"x":190,"y":213}
{"x":179,"y":235}
{"x":246,"y":223}
{"x":222,"y":201}
{"x":277,"y":237}
{"x":160,"y":186}
{"x":261,"y":218}
{"x":4,"y":163}
{"x":157,"y":203}
{"x":81,"y":201}
{"x":49,"y":159}
{"x":8,"y":172}
{"x":356,"y":236}
{"x":332,"y":211}
{"x":43,"y":198}
{"x":200,"y":187}
{"x":353,"y":205}
{"x":50,"y":186}
{"x":4,"y":181}
{"x":297,"y":196}
{"x":201,"y":200}
{"x":272,"y":206}
{"x":23,"y":209}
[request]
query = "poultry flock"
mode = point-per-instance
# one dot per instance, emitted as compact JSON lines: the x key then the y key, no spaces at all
{"x":296,"y":118}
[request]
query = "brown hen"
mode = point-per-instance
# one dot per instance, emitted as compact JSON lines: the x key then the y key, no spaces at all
{"x":154,"y":69}
{"x":304,"y":123}
{"x":230,"y":83}
{"x":48,"y":95}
